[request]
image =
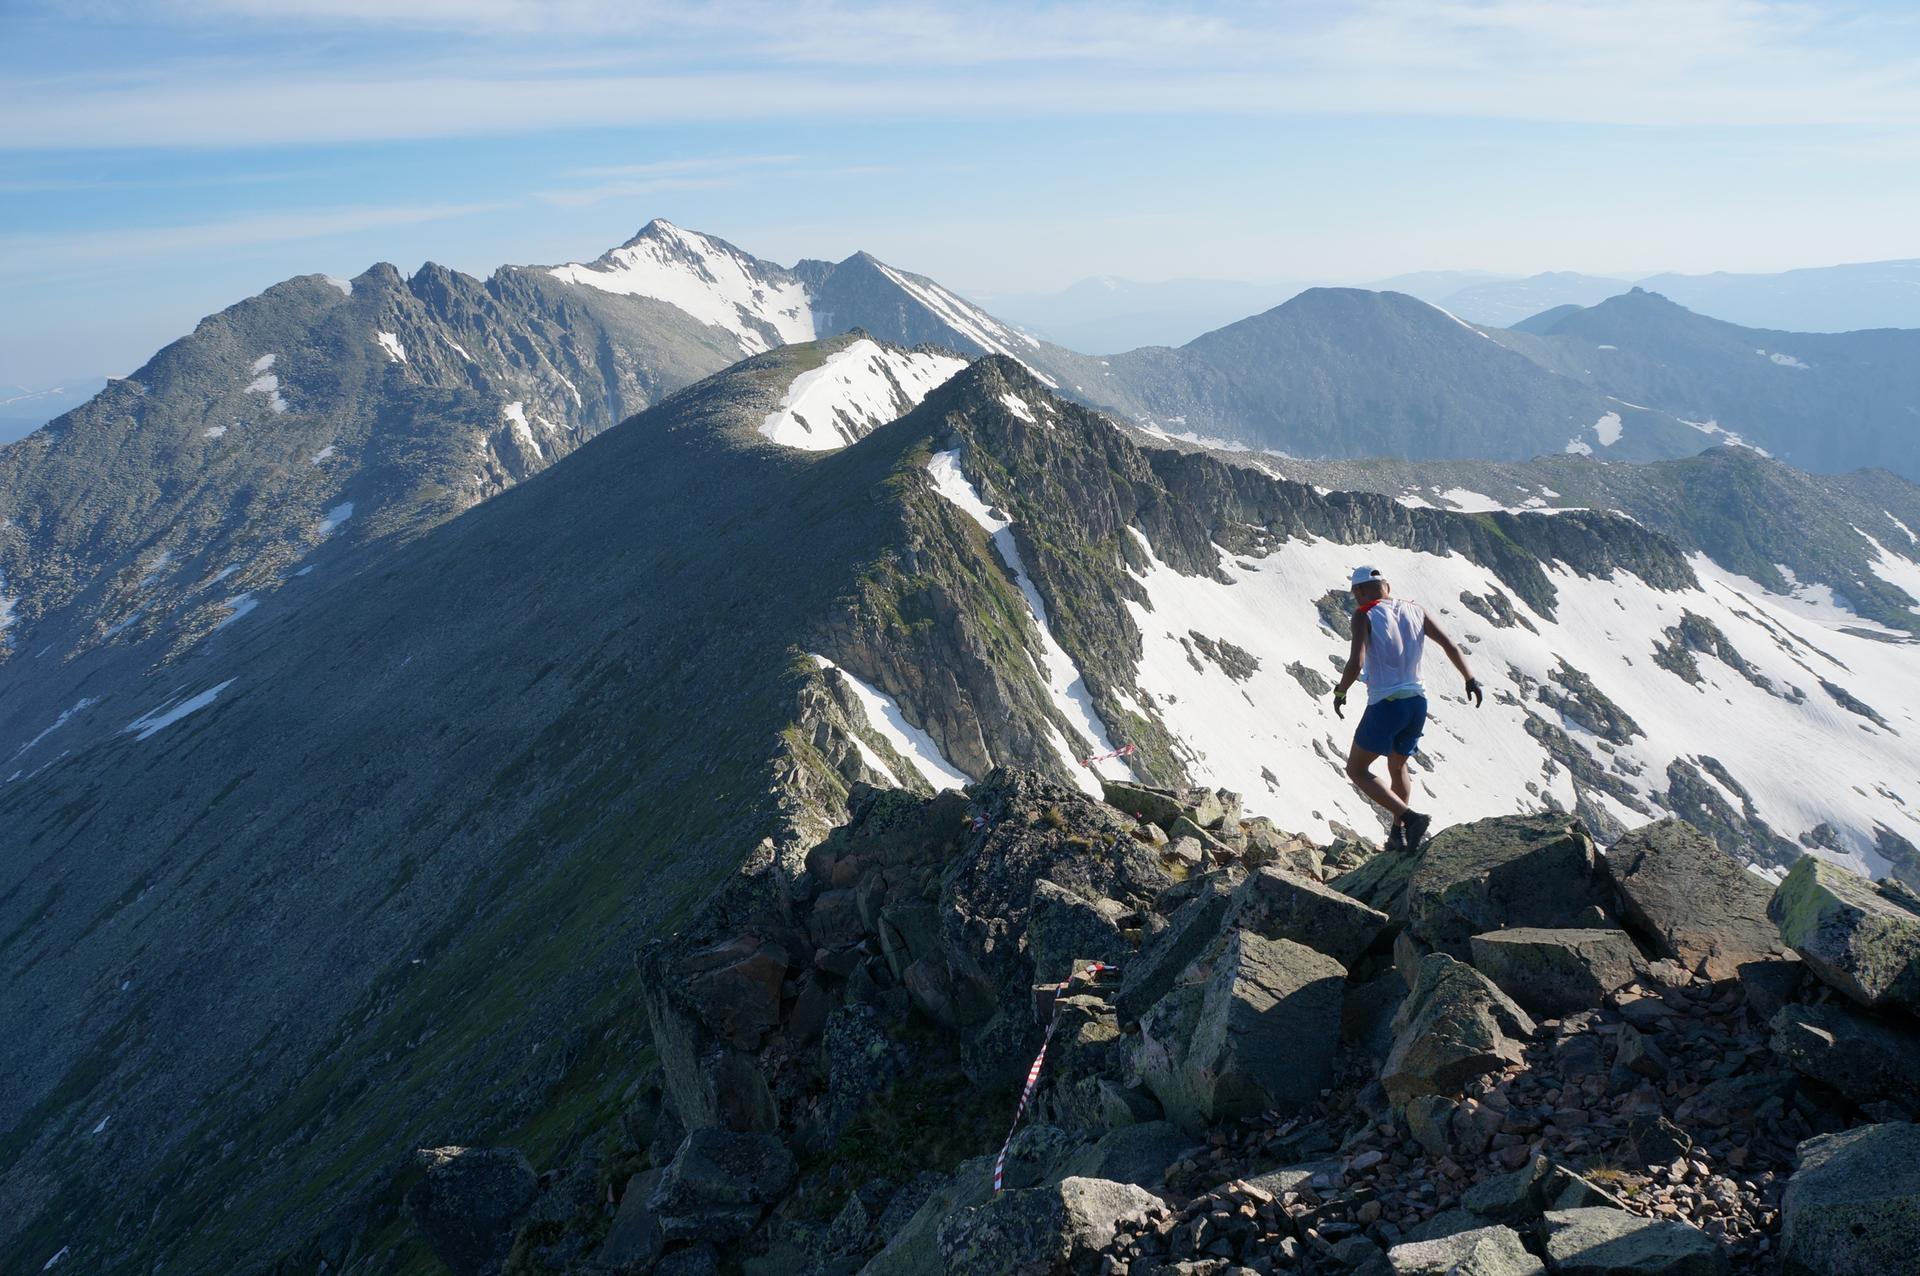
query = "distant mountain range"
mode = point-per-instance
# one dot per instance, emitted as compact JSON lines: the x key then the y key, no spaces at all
{"x":1878,"y":294}
{"x":1105,"y":314}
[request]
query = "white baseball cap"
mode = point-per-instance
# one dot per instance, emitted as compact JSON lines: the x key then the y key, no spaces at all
{"x":1361,"y":575}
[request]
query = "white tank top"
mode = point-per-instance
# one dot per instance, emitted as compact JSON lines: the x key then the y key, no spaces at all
{"x":1396,"y":641}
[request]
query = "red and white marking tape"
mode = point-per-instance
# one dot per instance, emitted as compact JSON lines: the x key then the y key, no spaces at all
{"x":1124,"y":751}
{"x":1033,"y":1073}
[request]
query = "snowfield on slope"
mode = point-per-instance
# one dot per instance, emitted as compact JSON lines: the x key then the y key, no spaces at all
{"x":715,"y":284}
{"x":909,"y":741}
{"x":1056,"y":668}
{"x":856,"y":390}
{"x":1803,"y":762}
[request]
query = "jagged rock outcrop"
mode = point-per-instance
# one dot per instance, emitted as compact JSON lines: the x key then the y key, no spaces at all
{"x":468,"y":1204}
{"x":1039,"y":1231}
{"x":1690,"y":901}
{"x":1862,"y":938}
{"x":1853,"y":1205}
{"x":1261,"y":1085}
{"x":1257,"y":1036}
{"x":1454,"y":1026}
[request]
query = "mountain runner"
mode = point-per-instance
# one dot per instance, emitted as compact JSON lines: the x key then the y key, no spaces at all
{"x":1390,"y":637}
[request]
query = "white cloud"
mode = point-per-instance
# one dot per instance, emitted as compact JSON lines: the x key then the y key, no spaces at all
{"x":586,"y":63}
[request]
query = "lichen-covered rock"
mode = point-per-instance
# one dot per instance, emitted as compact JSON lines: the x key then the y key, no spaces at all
{"x":1483,"y":1251}
{"x":1258,"y":1035}
{"x":1608,"y":1242}
{"x":1039,"y":1231}
{"x":1857,"y":937}
{"x":1063,"y":928}
{"x":1523,"y":1195}
{"x":1194,"y":926}
{"x":1691,"y":901}
{"x":718,"y":1183}
{"x":1853,"y":1204}
{"x":1868,"y":1058}
{"x":1454,"y":1026}
{"x":1279,"y":905}
{"x":468,"y":1204}
{"x":1516,"y":870}
{"x":1137,"y":1154}
{"x":1556,"y":972}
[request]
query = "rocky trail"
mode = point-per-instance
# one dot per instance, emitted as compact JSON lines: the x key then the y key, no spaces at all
{"x":1509,"y":1053}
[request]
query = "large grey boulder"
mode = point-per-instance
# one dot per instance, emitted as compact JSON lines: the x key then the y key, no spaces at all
{"x":1556,"y":972}
{"x":1858,"y":937}
{"x":718,"y":1183}
{"x":1193,"y":927}
{"x":1281,"y":905}
{"x":1137,"y":1154}
{"x":1610,"y":1242}
{"x":1853,"y":1205}
{"x":469,"y":1203}
{"x":1691,"y":901}
{"x":1523,"y":1195}
{"x":1454,"y":1026}
{"x":1064,"y":928}
{"x":1258,"y":1035}
{"x":1061,"y":1228}
{"x":634,"y":1242}
{"x":1482,"y":1251}
{"x":1866,"y":1057}
{"x":1516,"y":870}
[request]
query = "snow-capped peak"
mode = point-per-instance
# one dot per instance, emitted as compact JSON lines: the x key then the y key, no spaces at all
{"x":856,"y":389}
{"x":759,"y":304}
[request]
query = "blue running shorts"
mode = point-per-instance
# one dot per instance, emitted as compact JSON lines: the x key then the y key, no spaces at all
{"x":1392,"y":726}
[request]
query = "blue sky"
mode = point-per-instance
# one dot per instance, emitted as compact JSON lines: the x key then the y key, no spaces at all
{"x":161,"y":160}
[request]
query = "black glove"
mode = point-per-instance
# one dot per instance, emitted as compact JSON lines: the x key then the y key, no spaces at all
{"x":1474,"y":693}
{"x":1339,"y":704}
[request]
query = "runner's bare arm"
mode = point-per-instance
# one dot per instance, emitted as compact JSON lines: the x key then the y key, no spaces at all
{"x":1358,"y":648}
{"x":1439,"y":637}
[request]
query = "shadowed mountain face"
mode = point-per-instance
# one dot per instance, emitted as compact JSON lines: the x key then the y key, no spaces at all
{"x":1344,"y":372}
{"x":364,"y":871}
{"x":1820,"y":401}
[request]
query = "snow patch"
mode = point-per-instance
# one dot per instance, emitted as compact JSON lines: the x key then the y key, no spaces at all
{"x":855,"y":390}
{"x":241,"y":604}
{"x":1784,"y":360}
{"x":1064,"y":682}
{"x":66,"y":715}
{"x":1578,"y":446}
{"x":150,"y":724}
{"x":1468,"y":501}
{"x":214,"y":431}
{"x":264,"y":362}
{"x":909,"y":741}
{"x":709,"y":280}
{"x":268,"y":385}
{"x":103,"y":1124}
{"x":1797,"y":758}
{"x":1608,"y":429}
{"x":396,"y":352}
{"x":344,"y":285}
{"x":322,"y":455}
{"x":969,"y":321}
{"x":1018,"y":406}
{"x":335,"y":516}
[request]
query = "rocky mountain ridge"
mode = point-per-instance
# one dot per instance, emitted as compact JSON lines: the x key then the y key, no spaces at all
{"x":375,"y":856}
{"x":1508,"y":1052}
